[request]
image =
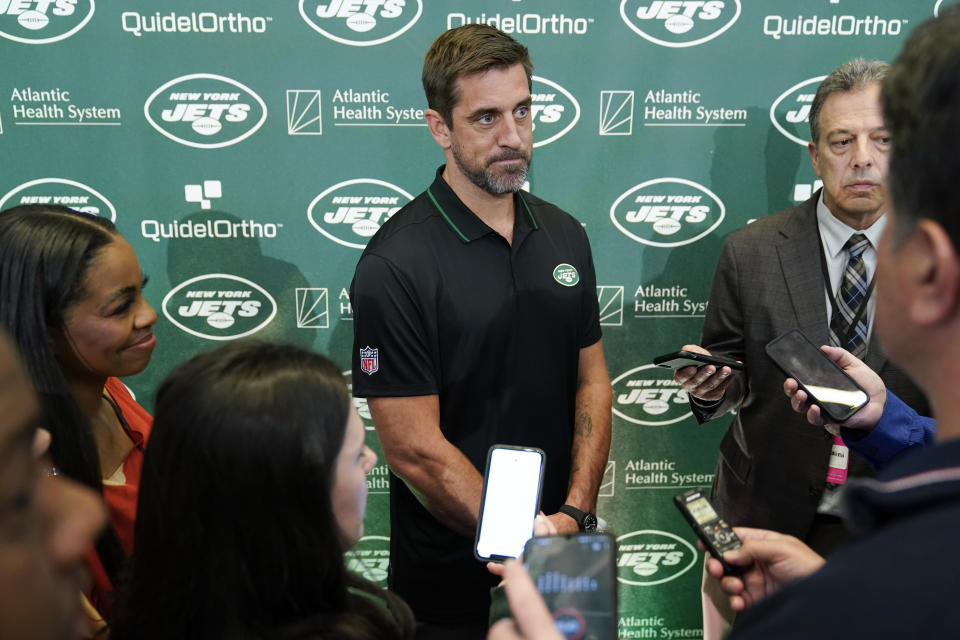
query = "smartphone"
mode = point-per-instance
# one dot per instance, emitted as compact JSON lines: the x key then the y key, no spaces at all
{"x":717,"y":536}
{"x":510,"y":502}
{"x":826,"y":384}
{"x":680,"y":359}
{"x":576,"y":575}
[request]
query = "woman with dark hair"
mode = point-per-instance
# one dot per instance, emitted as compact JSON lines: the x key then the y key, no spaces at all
{"x":253,"y":487}
{"x":71,"y":297}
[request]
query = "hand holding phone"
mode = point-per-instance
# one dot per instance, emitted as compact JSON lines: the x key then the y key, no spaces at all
{"x":529,"y":617}
{"x":683,"y":358}
{"x":702,"y":375}
{"x":825,"y":383}
{"x":867,"y":417}
{"x":510,"y":502}
{"x":576,"y":575}
{"x":713,"y":531}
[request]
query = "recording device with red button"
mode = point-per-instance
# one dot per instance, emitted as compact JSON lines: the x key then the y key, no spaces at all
{"x":717,"y":536}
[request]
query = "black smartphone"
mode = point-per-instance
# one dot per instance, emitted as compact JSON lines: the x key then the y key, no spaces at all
{"x":717,"y":536}
{"x":576,"y":575}
{"x":510,"y":502}
{"x":826,"y":384}
{"x":680,"y":359}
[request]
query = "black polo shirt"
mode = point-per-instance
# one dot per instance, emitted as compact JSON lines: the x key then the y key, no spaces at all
{"x":443,"y":305}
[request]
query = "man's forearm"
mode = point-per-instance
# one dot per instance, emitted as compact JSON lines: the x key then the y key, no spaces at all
{"x":447,"y":484}
{"x":591,"y":445}
{"x":438,"y":473}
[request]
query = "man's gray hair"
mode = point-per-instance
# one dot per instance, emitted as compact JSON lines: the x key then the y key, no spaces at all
{"x":856,"y":75}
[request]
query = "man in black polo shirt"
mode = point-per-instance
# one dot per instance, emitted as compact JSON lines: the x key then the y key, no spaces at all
{"x":476,"y":322}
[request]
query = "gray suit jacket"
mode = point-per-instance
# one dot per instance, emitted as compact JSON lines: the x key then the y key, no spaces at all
{"x":773,"y":464}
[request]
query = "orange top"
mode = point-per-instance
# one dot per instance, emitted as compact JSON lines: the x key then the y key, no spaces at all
{"x":120,"y":491}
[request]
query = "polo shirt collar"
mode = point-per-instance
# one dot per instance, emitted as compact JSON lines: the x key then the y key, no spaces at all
{"x":464,"y":222}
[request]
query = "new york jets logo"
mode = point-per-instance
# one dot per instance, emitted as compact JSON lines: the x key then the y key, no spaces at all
{"x":651,"y":557}
{"x":554,"y":109}
{"x":205,"y":111}
{"x":790,"y":112}
{"x":361,"y":23}
{"x":219,"y":306}
{"x":69,"y":193}
{"x":679,"y":23}
{"x":43,"y":21}
{"x":566,"y":274}
{"x":370,"y":558}
{"x":667,"y":212}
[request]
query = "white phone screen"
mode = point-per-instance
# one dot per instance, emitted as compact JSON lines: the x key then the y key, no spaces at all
{"x":511,"y":497}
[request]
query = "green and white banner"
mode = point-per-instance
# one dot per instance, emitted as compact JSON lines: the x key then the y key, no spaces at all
{"x":249,"y":150}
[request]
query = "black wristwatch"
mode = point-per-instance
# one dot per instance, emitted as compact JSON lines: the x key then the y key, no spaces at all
{"x":586,"y":520}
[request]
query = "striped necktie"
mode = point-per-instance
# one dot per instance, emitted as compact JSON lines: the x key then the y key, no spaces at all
{"x":850,"y":298}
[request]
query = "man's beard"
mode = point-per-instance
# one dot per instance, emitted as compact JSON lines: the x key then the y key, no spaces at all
{"x":494,"y":184}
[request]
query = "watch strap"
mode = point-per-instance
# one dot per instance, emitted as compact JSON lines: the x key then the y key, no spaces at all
{"x":574,"y":513}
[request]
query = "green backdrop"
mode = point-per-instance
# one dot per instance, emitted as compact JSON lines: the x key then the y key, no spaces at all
{"x":249,"y":149}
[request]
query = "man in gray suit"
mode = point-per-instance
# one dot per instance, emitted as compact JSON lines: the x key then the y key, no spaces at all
{"x":790,"y":270}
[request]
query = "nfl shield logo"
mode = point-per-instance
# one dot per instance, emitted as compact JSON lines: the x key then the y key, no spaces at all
{"x":369,"y":360}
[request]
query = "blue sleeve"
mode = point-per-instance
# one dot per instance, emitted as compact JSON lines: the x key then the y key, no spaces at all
{"x":899,"y":429}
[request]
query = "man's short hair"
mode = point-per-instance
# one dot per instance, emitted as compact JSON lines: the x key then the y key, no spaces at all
{"x":856,"y":75}
{"x":921,"y":105}
{"x":472,"y":48}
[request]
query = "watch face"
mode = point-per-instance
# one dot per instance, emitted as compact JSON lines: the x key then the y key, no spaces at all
{"x":589,"y":522}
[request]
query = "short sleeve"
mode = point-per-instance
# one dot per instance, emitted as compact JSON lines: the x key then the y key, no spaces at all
{"x":391,"y":343}
{"x":590,"y":331}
